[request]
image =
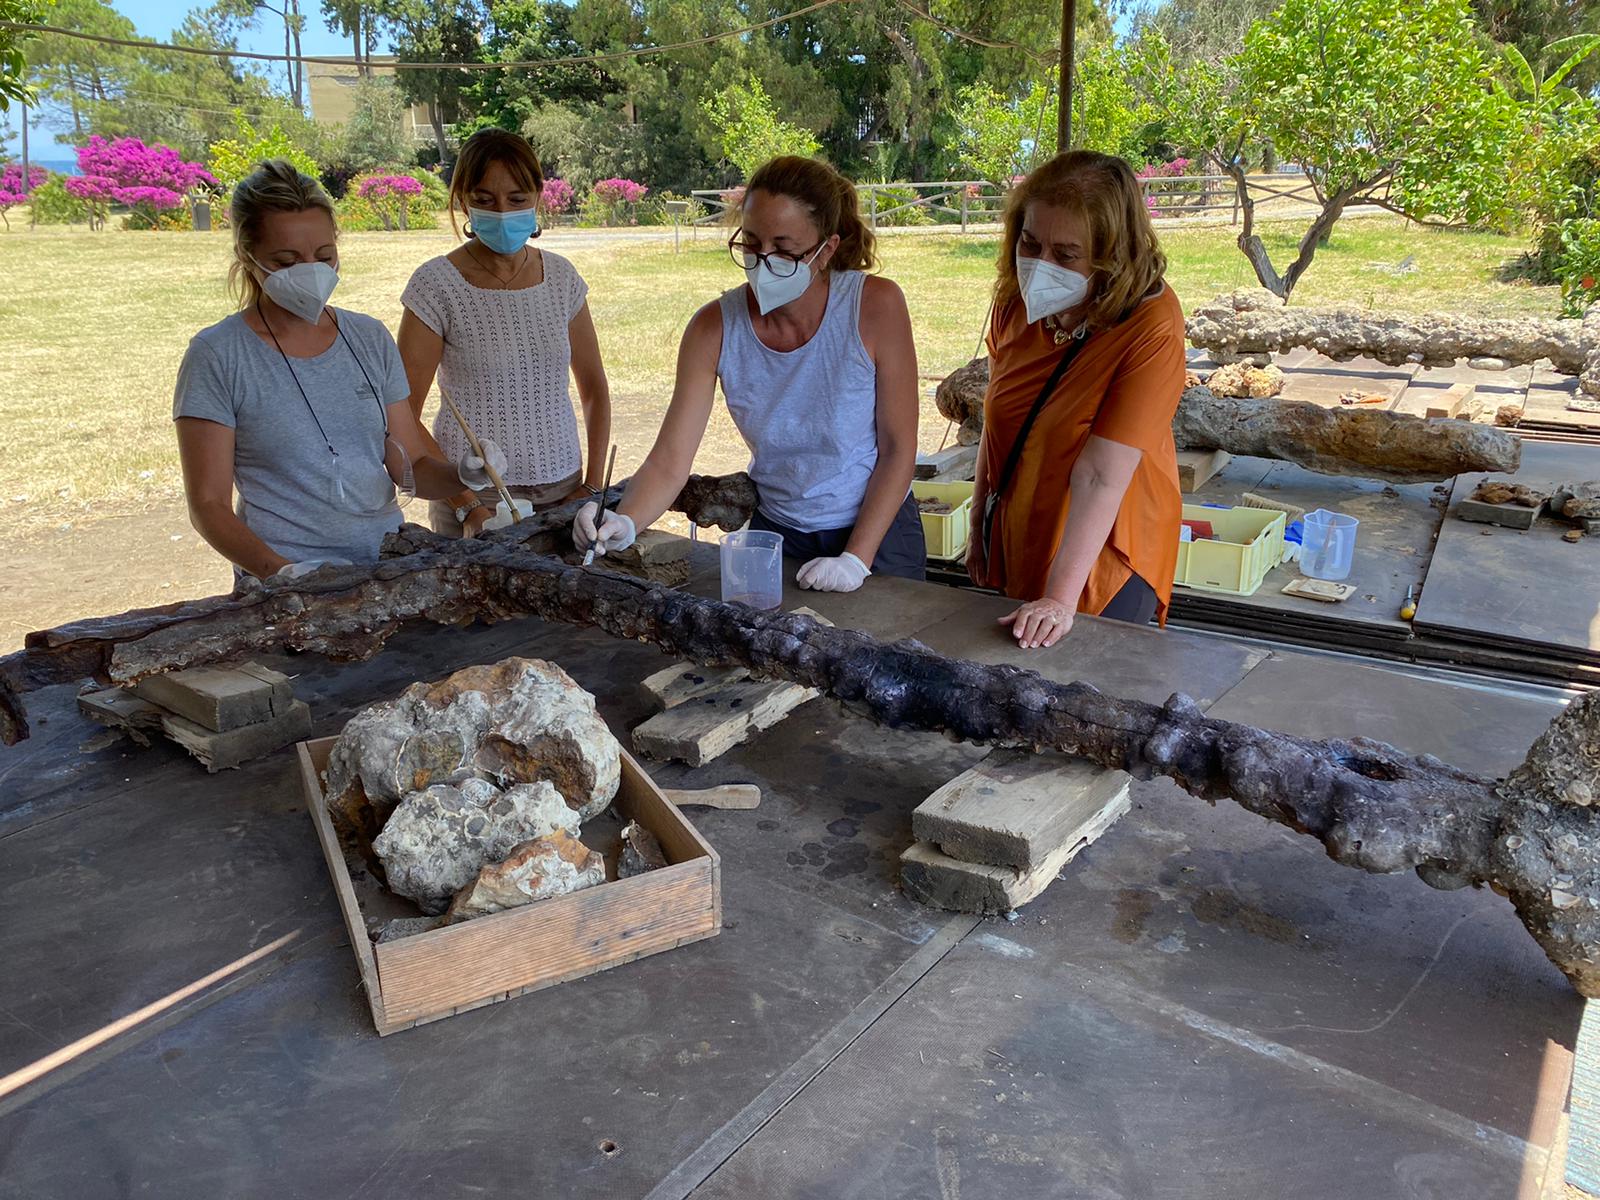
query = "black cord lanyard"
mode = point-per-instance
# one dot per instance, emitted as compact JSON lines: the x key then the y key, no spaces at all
{"x":322,"y":433}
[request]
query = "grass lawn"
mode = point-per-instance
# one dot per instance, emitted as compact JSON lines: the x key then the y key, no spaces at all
{"x":93,"y":326}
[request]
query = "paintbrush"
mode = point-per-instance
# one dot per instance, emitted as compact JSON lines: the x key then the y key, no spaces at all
{"x":477,"y":448}
{"x":588,"y":558}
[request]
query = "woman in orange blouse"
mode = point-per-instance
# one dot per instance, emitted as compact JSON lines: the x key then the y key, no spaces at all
{"x":1087,"y":518}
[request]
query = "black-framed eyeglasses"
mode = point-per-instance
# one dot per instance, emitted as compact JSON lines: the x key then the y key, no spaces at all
{"x":780,"y":264}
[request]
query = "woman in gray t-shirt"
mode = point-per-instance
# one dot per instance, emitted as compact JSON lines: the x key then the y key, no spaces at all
{"x":299,"y":407}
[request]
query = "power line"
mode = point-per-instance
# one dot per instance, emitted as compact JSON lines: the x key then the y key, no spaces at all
{"x":531,"y":64}
{"x":965,"y":35}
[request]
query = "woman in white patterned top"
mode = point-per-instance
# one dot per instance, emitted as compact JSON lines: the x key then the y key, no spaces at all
{"x":500,"y":323}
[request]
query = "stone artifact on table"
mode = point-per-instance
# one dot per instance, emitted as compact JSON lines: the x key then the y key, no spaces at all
{"x":641,"y":851}
{"x":437,"y":840}
{"x":516,"y":721}
{"x":535,"y":870}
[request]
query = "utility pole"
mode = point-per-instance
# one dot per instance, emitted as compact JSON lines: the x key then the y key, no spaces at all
{"x":25,"y":148}
{"x":1069,"y":33}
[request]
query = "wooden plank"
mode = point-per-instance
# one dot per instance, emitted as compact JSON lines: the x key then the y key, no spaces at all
{"x":220,"y":698}
{"x":940,"y":881}
{"x":1509,"y":516}
{"x":313,"y":759}
{"x":1452,"y":401}
{"x":224,"y":751}
{"x":732,"y":796}
{"x":545,"y":943}
{"x":716,"y":721}
{"x":951,"y":461}
{"x":1196,"y":467}
{"x":1016,"y":808}
{"x":118,"y":708}
{"x":673,"y":685}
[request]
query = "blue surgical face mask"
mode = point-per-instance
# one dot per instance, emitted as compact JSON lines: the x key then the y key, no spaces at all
{"x":504,"y":232}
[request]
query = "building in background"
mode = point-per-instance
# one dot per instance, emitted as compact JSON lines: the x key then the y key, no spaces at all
{"x":331,"y":93}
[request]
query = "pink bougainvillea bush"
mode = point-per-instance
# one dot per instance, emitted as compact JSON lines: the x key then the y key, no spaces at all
{"x":148,"y":179}
{"x":556,"y":196}
{"x":1151,"y":176}
{"x":620,"y":191}
{"x":12,"y":193}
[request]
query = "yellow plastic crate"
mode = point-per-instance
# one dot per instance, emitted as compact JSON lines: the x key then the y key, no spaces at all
{"x":1249,"y":543}
{"x":946,"y":533}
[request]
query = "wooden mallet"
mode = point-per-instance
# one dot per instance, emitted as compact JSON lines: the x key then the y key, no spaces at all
{"x":477,"y":448}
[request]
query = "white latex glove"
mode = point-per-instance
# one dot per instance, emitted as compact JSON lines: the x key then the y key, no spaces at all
{"x":616,"y":531}
{"x":296,"y":569}
{"x":473,"y":471}
{"x":843,"y":574}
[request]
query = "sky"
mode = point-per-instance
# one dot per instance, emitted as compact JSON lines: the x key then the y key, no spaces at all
{"x":156,"y":19}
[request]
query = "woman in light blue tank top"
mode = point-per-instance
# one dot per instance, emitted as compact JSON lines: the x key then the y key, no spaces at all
{"x":819,"y":371}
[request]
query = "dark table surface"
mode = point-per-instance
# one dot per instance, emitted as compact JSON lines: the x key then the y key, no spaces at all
{"x":1204,"y":1005}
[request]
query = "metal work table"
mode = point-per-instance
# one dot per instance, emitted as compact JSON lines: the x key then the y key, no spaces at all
{"x":1204,"y":1005}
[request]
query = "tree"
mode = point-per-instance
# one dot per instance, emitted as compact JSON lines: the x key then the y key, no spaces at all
{"x":358,"y":21}
{"x":1201,"y":30}
{"x":527,"y":31}
{"x":430,"y":31}
{"x":13,"y":64}
{"x":182,"y":100}
{"x":1531,"y":26}
{"x":1000,"y":138}
{"x":751,"y":131}
{"x":1388,"y":102}
{"x":246,"y":14}
{"x":375,"y":135}
{"x":13,"y":191}
{"x":231,"y":159}
{"x":148,"y":179}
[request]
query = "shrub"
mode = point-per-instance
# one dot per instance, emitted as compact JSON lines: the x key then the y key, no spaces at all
{"x":231,"y":159}
{"x":893,"y":196}
{"x":1151,"y":176}
{"x":612,"y":202}
{"x":654,"y":210}
{"x":555,"y":198}
{"x":12,"y":193}
{"x":1578,"y":267}
{"x":148,"y":179}
{"x":385,"y":200}
{"x":51,"y":204}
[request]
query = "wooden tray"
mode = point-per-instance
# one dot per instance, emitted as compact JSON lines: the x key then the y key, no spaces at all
{"x":426,"y":976}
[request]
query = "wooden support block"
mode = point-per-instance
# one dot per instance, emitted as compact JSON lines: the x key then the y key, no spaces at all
{"x":957,"y":461}
{"x":708,"y":711}
{"x":1454,"y":401}
{"x":118,"y":708}
{"x":698,"y":730}
{"x":656,"y":555}
{"x":221,"y":751}
{"x":1196,"y":467}
{"x":940,"y":881}
{"x":671,"y":686}
{"x":1511,"y":516}
{"x":1016,"y":808}
{"x":731,"y":796}
{"x":221,"y":698}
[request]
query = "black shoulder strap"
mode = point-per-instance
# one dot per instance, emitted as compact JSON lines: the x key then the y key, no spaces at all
{"x":1015,"y":456}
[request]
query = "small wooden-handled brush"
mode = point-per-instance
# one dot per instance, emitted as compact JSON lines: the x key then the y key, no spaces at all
{"x":477,"y":448}
{"x":1292,"y":512}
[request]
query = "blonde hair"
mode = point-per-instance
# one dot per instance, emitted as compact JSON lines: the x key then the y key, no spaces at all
{"x":479,"y":152}
{"x":1102,"y":192}
{"x":276,"y":185}
{"x":831,"y":200}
